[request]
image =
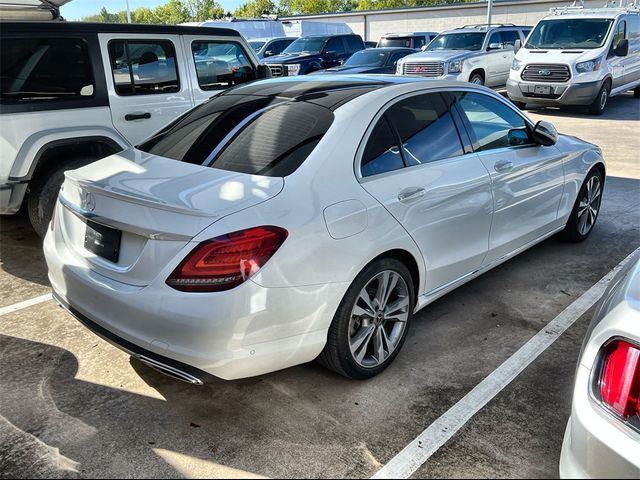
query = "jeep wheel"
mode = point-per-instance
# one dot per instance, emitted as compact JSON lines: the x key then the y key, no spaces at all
{"x":43,"y":194}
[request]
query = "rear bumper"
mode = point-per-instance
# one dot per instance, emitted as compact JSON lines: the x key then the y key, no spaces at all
{"x":247,"y":331}
{"x":11,"y":197}
{"x":562,"y":94}
{"x":596,"y":445}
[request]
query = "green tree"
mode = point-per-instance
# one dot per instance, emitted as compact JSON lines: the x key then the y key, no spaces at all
{"x":255,"y":8}
{"x":201,"y":10}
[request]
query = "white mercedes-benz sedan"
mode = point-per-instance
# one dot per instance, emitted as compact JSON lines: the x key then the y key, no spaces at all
{"x":602,"y":439}
{"x":301,"y":218}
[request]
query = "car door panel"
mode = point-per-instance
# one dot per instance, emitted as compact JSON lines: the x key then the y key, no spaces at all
{"x":442,"y":197}
{"x":138,"y":115}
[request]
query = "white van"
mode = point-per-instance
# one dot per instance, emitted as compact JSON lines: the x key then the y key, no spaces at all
{"x":306,"y":28}
{"x":577,"y":56}
{"x":251,"y":29}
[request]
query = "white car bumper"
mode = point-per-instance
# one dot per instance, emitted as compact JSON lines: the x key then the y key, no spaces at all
{"x":247,"y":331}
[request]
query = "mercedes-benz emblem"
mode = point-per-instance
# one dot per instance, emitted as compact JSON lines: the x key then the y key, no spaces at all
{"x":87,"y":201}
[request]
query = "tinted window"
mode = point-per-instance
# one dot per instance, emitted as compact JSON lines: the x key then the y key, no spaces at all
{"x":419,"y":42}
{"x":310,"y":45}
{"x":143,"y":67}
{"x":525,"y":33}
{"x":354,"y":44}
{"x":368,"y":58}
{"x":271,"y":136}
{"x":426,"y":129}
{"x":491,"y":121}
{"x":38,"y":69}
{"x":509,"y":37}
{"x":401,"y":42}
{"x":221,"y":64}
{"x":495,"y":38}
{"x":381,"y":153}
{"x":336,"y":45}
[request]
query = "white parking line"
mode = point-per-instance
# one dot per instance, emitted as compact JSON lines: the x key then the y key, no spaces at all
{"x":414,"y":455}
{"x":27,"y":303}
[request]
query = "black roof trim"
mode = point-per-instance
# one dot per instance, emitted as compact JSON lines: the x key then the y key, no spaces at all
{"x":85,"y":27}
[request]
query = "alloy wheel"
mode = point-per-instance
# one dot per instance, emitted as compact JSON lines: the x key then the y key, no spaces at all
{"x":589,"y":206}
{"x":379,"y":319}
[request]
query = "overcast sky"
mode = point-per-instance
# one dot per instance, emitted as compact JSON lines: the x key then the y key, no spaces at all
{"x":77,"y":9}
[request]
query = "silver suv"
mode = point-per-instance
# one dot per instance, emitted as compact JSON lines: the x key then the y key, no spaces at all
{"x":480,"y":54}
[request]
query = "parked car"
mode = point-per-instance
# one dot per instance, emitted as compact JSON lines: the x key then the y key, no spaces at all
{"x":310,"y":54}
{"x":602,"y":439}
{"x":371,"y":60}
{"x":578,"y":56}
{"x":475,"y":53}
{"x":72,"y":93}
{"x":268,"y":47}
{"x":413,"y":40}
{"x":370,"y":44}
{"x":300,"y":218}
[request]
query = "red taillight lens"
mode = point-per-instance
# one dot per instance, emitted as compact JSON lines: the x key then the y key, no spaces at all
{"x":227,"y":261}
{"x":620,"y":378}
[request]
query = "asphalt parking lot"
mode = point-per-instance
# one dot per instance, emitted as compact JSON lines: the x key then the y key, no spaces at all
{"x":73,"y":406}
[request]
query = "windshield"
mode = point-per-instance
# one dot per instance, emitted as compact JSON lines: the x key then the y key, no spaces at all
{"x":396,"y":42}
{"x":365,"y":58}
{"x":256,"y":46}
{"x":306,"y":45}
{"x":584,"y":33}
{"x":458,"y":41}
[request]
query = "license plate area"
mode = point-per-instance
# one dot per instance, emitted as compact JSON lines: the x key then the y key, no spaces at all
{"x":103,"y":241}
{"x":542,"y":90}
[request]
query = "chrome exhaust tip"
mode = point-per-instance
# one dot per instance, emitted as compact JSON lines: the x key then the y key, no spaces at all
{"x":170,"y":371}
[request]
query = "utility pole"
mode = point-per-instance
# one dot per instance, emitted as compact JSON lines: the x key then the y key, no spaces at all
{"x":128,"y":13}
{"x":489,"y":11}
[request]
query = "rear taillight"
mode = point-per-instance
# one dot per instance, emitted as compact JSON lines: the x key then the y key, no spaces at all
{"x":618,"y":384}
{"x":227,"y":261}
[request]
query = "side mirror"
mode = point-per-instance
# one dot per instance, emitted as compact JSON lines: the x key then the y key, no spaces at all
{"x":263,"y":71}
{"x":268,"y":53}
{"x":517,"y":46}
{"x":494,"y":46}
{"x":622,"y":49}
{"x":544,"y":133}
{"x":517,"y":137}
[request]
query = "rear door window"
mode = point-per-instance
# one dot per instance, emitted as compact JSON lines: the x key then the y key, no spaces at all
{"x":221,"y":64}
{"x":509,"y":38}
{"x":426,"y":129}
{"x":336,"y":45}
{"x":44,"y":69}
{"x":142,"y":67}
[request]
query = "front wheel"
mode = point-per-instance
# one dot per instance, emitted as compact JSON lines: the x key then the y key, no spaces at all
{"x":600,"y":102}
{"x":586,"y":209}
{"x":371,"y":323}
{"x":476,"y":79}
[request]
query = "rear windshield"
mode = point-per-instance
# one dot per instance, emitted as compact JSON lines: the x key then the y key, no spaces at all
{"x":396,"y":42}
{"x":244,"y":133}
{"x":41,"y":69}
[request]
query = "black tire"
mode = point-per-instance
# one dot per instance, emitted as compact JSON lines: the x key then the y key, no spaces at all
{"x":600,"y":102}
{"x":572,"y":231}
{"x":476,"y":78}
{"x":636,"y":92}
{"x":43,"y":193}
{"x":337,"y":354}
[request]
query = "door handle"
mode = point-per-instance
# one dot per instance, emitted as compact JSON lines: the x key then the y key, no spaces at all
{"x":503,"y":166}
{"x":410,"y":194}
{"x":137,"y":116}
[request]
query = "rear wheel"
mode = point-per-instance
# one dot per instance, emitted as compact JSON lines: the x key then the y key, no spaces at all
{"x":586,"y":209}
{"x":43,"y":194}
{"x":476,"y":78}
{"x":600,"y":102}
{"x":371,"y":323}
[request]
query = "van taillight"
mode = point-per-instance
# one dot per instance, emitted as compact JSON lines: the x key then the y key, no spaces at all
{"x":619,"y":380}
{"x":227,"y":261}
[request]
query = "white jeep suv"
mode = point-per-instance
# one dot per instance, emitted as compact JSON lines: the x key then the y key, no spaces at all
{"x":73,"y":93}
